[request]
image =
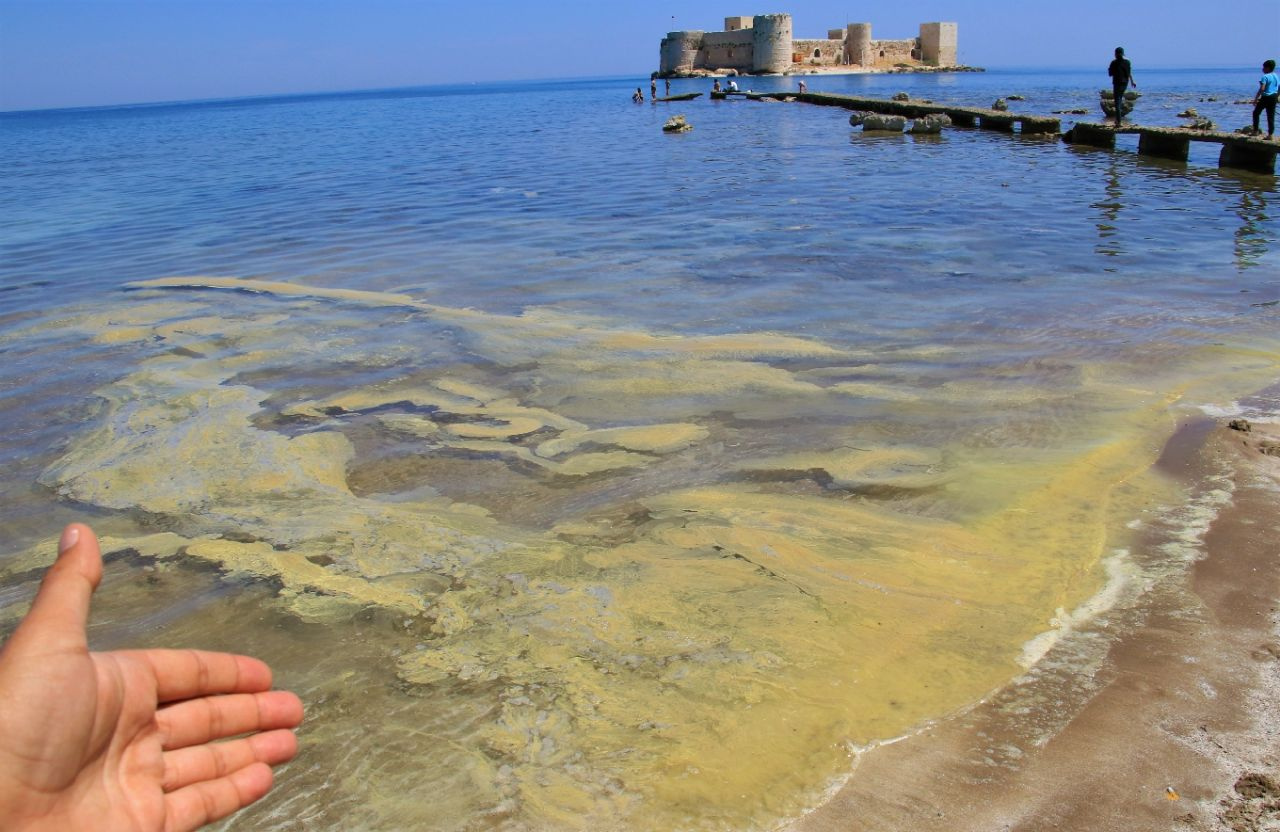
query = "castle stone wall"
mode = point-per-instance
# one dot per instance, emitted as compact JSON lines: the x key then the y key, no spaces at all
{"x":728,"y":50}
{"x":829,"y":52}
{"x":773,"y":46}
{"x":680,"y":51}
{"x":886,"y":53}
{"x":939,"y":43}
{"x":857,"y":45}
{"x":765,"y":44}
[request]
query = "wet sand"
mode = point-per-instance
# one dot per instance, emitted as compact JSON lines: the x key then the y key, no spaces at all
{"x":1179,"y":728}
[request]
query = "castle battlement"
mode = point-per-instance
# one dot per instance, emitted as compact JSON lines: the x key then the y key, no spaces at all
{"x":765,"y":44}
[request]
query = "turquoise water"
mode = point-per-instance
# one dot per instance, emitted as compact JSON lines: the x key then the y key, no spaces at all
{"x":660,"y":403}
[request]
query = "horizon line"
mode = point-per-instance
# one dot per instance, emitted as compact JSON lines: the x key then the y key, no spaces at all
{"x":407,"y":88}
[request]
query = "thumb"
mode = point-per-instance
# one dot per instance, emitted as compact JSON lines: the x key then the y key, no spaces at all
{"x":60,"y":610}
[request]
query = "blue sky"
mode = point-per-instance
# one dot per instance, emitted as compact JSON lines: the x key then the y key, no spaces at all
{"x":62,"y":53}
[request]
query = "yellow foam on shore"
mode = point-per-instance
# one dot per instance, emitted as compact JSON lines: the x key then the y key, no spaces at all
{"x":672,"y":591}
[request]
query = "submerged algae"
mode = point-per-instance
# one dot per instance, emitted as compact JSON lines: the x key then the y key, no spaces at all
{"x":681,"y":612}
{"x":862,"y":467}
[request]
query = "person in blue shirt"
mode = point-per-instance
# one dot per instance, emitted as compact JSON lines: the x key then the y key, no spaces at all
{"x":1265,"y":98}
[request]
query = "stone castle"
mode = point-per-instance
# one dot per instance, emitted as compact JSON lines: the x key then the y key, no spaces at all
{"x":764,"y":44}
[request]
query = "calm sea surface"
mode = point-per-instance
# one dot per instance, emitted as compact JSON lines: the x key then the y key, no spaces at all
{"x":583,"y":476}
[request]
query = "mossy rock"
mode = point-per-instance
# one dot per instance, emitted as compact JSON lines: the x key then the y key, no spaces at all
{"x":677,"y":124}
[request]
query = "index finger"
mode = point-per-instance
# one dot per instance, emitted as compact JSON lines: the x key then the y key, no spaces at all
{"x":186,"y":674}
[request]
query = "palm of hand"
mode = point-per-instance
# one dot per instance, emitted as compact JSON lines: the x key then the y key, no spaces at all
{"x":129,"y":740}
{"x":103,"y":719}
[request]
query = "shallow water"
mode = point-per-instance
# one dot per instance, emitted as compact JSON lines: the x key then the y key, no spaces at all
{"x":564,"y":466}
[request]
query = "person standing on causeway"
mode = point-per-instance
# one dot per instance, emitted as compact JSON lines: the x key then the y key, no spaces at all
{"x":1265,"y":98}
{"x":1121,"y":72}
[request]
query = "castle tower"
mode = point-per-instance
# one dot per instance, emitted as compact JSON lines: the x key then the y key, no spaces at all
{"x":679,"y":52}
{"x":857,"y":45}
{"x":938,"y":44}
{"x":771,"y":42}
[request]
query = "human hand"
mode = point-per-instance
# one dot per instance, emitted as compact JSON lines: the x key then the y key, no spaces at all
{"x":128,"y":740}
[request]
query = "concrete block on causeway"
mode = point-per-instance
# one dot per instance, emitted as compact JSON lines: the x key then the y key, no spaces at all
{"x":1238,"y":151}
{"x":912,"y":108}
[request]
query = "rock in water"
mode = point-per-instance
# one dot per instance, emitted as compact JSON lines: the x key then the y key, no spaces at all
{"x":1106,"y":98}
{"x":931,"y":123}
{"x":677,"y":124}
{"x":1000,"y":104}
{"x":901,"y":96}
{"x":857,"y":117}
{"x":875,"y":122}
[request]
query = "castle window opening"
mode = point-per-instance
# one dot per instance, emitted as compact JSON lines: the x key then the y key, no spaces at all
{"x":817,"y":53}
{"x":882,"y":53}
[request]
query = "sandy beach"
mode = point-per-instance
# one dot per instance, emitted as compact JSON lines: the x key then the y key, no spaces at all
{"x":1179,"y":729}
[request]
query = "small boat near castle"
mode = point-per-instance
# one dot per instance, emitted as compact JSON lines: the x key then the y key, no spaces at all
{"x":688,"y":96}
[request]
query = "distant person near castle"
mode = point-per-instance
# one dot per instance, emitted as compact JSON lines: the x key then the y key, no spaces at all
{"x":638,"y":96}
{"x":1265,"y":98}
{"x":1121,"y":72}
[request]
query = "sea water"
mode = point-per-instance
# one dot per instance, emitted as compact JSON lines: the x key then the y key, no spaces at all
{"x":583,"y":476}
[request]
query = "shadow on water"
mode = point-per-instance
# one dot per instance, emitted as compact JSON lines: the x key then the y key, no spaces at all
{"x":1251,"y":240}
{"x":1252,"y":191}
{"x":1109,"y":212}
